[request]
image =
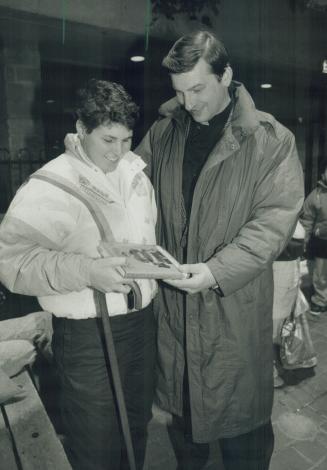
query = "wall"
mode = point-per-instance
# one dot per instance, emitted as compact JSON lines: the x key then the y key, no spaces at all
{"x":275,"y":41}
{"x":278,"y":42}
{"x":126,"y":15}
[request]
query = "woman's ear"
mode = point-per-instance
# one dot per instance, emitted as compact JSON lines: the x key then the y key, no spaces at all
{"x":227,"y":76}
{"x":81,"y":131}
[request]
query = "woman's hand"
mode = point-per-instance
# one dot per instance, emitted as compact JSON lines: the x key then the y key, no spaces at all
{"x":106,"y":275}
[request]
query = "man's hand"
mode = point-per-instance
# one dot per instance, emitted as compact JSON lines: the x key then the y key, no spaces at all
{"x":200,"y":278}
{"x":106,"y":276}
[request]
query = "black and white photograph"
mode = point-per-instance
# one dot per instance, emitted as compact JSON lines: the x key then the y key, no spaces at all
{"x":163,"y":235}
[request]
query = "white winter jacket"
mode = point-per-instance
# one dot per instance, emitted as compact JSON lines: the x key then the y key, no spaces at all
{"x":49,"y":236}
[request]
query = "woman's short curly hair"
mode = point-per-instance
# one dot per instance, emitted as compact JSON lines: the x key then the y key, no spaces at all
{"x":103,"y":102}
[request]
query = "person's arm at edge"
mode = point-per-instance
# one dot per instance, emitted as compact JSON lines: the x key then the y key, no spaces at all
{"x":309,"y":213}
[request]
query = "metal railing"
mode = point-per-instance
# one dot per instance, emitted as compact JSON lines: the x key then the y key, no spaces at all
{"x":14,"y":171}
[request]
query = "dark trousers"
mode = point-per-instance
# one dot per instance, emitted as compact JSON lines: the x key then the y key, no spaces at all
{"x":88,"y":404}
{"x":250,"y":451}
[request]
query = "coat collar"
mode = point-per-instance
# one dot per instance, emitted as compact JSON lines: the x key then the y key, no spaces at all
{"x":243,"y":119}
{"x":321,"y":184}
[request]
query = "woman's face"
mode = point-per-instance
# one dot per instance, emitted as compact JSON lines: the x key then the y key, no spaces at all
{"x":106,"y":144}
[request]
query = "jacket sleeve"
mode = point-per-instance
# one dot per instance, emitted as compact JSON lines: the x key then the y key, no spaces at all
{"x":277,"y":201}
{"x":144,"y":149}
{"x":309,"y":214}
{"x":32,"y":261}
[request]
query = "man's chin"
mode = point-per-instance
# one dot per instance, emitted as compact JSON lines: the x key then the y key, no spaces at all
{"x":199,"y":117}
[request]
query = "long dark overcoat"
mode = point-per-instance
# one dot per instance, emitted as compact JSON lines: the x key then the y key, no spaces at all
{"x":245,"y":206}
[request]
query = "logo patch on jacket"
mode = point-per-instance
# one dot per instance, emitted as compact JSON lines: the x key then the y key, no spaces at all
{"x":93,"y":191}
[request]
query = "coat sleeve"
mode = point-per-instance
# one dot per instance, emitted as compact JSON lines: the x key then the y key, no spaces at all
{"x":277,"y":201}
{"x":32,"y":261}
{"x":144,"y":150}
{"x":145,"y":147}
{"x":309,"y":214}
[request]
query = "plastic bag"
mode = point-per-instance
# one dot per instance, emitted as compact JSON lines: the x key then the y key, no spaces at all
{"x":296,"y":350}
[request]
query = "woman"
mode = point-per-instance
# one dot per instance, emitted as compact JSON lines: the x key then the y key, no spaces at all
{"x":49,"y":247}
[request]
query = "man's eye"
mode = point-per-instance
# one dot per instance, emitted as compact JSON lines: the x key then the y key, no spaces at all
{"x":108,"y":141}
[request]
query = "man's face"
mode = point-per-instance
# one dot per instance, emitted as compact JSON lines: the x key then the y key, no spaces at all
{"x":200,"y":92}
{"x":106,"y":144}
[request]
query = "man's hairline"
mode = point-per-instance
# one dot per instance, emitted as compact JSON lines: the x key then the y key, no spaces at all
{"x":197,"y":84}
{"x":219,"y":77}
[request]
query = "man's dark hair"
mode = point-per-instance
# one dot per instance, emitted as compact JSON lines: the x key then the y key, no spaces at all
{"x":103,"y":102}
{"x":187,"y":51}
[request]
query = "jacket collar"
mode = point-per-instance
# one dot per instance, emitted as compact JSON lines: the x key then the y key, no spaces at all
{"x":243,"y":119}
{"x":130,"y":161}
{"x":322,"y":185}
{"x":108,"y":184}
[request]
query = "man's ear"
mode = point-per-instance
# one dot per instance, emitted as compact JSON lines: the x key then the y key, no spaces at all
{"x":227,"y":76}
{"x":81,"y":131}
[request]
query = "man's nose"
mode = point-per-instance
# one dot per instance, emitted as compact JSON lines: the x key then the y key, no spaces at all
{"x":188,"y":102}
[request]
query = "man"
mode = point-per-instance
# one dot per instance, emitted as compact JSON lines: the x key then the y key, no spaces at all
{"x":229,"y":188}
